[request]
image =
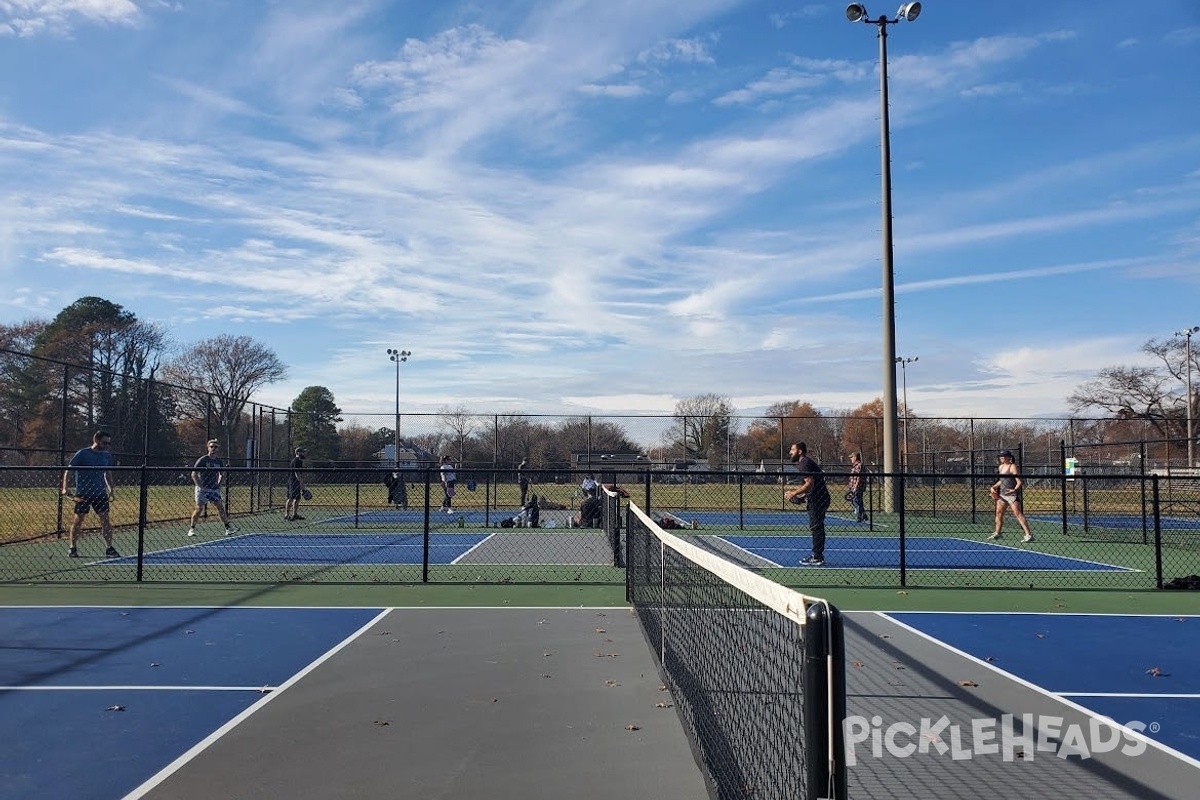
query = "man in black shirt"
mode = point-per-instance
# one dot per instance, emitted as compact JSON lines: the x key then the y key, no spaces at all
{"x":295,"y":490}
{"x":812,"y":486}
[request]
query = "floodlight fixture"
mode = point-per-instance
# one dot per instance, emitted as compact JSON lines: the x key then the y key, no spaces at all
{"x":909,"y":11}
{"x":855,"y":12}
{"x":397,"y":356}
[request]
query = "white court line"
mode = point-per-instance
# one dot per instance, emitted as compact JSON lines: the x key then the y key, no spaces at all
{"x":118,"y":687}
{"x":454,"y":561}
{"x":1058,"y":696}
{"x":204,"y":743}
{"x":1139,"y":695}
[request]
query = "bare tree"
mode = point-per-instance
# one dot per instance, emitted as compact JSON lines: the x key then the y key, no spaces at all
{"x":704,"y":424}
{"x":224,"y":371}
{"x":1153,"y":394}
{"x":1143,"y":393}
{"x":461,"y":424}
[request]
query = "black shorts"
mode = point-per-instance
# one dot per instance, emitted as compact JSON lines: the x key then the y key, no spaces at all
{"x":293,"y":492}
{"x":84,"y":503}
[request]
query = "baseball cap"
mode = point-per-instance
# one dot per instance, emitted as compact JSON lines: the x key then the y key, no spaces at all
{"x":1005,"y":454}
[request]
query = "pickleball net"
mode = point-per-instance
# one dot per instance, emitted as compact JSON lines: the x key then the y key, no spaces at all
{"x":757,"y":670}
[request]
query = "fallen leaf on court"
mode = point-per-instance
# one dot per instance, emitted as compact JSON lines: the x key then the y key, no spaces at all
{"x":856,"y":664}
{"x":495,"y":699}
{"x":1040,"y":635}
{"x":607,"y":655}
{"x":601,"y":630}
{"x":902,"y":592}
{"x":155,"y":664}
{"x":384,"y":633}
{"x":663,"y":704}
{"x":382,"y":723}
{"x":662,"y":688}
{"x":990,"y":659}
{"x":547,"y":675}
{"x":632,"y":728}
{"x":884,"y":636}
{"x":1181,"y":619}
{"x":542,"y":621}
{"x":265,"y":690}
{"x":967,"y":683}
{"x":547,"y":655}
{"x":115,"y":708}
{"x":611,"y":683}
{"x":1155,"y":672}
{"x":189,"y":631}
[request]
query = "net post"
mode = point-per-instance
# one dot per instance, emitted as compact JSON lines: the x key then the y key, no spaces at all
{"x":824,"y":701}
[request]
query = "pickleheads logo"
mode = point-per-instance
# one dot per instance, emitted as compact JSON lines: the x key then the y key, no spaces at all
{"x":991,"y":737}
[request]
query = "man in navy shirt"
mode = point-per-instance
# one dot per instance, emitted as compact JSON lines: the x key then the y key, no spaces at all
{"x":812,"y":486}
{"x":93,"y":490}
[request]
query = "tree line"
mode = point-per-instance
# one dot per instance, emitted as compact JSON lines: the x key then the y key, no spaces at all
{"x":96,"y":365}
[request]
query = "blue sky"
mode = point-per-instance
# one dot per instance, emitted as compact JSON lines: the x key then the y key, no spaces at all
{"x":603,"y":207}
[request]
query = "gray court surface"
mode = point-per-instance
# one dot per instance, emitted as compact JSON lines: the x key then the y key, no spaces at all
{"x":554,"y":703}
{"x":559,"y":547}
{"x":461,"y":703}
{"x":902,"y":677}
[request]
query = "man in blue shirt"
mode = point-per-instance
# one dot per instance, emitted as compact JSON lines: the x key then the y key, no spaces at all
{"x":93,"y":490}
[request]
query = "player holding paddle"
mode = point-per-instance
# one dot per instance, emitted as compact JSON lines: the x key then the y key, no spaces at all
{"x":1007,"y":494}
{"x":93,"y":490}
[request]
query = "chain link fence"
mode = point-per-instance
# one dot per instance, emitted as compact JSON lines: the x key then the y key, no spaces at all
{"x":1127,"y":531}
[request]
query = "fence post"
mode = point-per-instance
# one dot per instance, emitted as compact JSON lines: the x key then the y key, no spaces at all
{"x":143,"y":506}
{"x":903,"y":543}
{"x":1158,"y":565}
{"x":1062,"y":446}
{"x":425,"y":537}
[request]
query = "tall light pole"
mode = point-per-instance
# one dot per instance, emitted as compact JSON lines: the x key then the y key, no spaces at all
{"x":1186,"y":333}
{"x":398,"y":356}
{"x":904,"y":362}
{"x":856,"y":12}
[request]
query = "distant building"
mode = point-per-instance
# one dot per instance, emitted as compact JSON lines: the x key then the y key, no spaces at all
{"x":411,"y":457}
{"x":612,"y":467}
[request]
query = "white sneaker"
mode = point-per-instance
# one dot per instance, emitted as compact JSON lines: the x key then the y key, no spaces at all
{"x":995,"y":535}
{"x":1027,"y":538}
{"x":230,"y":530}
{"x":449,"y":510}
{"x":191,"y":531}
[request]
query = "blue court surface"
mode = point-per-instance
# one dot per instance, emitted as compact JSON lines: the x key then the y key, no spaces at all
{"x":318,"y":548}
{"x":1131,"y":669}
{"x":943,"y":552}
{"x":1132,"y":522}
{"x":96,"y":701}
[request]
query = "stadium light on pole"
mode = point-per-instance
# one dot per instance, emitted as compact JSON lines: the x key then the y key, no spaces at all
{"x":904,"y":362}
{"x":398,"y":356}
{"x":857,"y":12}
{"x":1186,"y":333}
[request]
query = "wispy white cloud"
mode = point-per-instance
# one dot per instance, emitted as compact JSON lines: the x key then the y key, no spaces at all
{"x":28,"y":18}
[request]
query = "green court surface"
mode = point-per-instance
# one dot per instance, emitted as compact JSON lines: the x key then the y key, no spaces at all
{"x":516,"y":596}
